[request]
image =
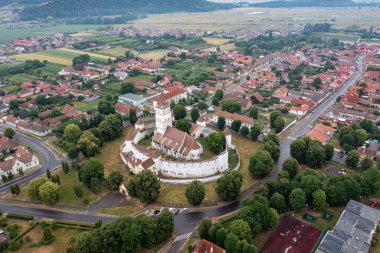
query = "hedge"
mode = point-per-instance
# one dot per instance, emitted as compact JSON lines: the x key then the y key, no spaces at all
{"x":19,"y":216}
{"x":74,"y":224}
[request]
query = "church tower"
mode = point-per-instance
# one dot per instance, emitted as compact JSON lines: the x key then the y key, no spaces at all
{"x":163,"y":115}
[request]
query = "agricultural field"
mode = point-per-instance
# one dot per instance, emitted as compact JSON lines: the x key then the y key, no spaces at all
{"x":61,"y":56}
{"x":119,"y":51}
{"x":20,"y":30}
{"x":261,"y":17}
{"x":216,"y":41}
{"x":30,"y":75}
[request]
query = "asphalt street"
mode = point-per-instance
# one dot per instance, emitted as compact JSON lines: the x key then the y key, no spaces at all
{"x":49,"y":159}
{"x":184,"y":222}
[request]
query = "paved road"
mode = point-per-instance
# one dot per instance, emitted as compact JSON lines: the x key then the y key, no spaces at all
{"x":302,"y":127}
{"x":50,"y":160}
{"x":184,"y":222}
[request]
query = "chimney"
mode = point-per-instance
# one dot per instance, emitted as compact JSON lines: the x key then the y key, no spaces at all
{"x":212,"y":249}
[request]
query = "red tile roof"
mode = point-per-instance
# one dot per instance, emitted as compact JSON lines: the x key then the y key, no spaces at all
{"x":208,"y":247}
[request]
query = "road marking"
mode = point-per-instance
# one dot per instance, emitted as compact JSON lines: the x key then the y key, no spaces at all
{"x":291,"y":138}
{"x":181,"y":237}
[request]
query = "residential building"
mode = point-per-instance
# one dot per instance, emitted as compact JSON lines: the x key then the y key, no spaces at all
{"x":205,"y":246}
{"x":22,"y":160}
{"x":321,"y":132}
{"x":230,"y":117}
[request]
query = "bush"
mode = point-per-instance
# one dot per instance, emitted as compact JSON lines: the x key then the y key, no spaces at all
{"x":14,"y":245}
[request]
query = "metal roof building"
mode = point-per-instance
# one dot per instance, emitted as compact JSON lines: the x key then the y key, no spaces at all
{"x":353,"y":232}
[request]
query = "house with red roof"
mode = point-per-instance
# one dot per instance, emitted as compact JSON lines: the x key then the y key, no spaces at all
{"x":299,"y":110}
{"x":321,"y":132}
{"x":205,"y":246}
{"x":175,"y":95}
{"x":22,"y":160}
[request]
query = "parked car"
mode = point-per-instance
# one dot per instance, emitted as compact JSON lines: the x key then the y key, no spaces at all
{"x":185,"y":210}
{"x":176,"y":211}
{"x":156,"y":212}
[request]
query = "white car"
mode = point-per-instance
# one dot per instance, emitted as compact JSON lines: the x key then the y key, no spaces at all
{"x":1,"y":232}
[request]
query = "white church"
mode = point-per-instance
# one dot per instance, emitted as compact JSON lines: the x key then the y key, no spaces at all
{"x":169,"y":141}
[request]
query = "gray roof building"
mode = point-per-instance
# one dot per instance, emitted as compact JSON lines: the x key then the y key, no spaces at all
{"x":353,"y":232}
{"x":132,"y":99}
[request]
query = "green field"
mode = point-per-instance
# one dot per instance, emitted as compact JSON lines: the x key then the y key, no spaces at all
{"x":14,"y":31}
{"x":58,"y":56}
{"x":33,"y":75}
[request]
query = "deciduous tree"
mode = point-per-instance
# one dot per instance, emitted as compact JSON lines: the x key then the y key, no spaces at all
{"x":144,"y":186}
{"x":228,"y":186}
{"x":195,"y":193}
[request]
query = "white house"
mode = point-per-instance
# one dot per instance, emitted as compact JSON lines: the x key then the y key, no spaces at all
{"x":22,"y":159}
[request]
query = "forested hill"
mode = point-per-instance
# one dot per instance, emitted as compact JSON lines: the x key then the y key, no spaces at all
{"x":305,"y":3}
{"x":91,"y":8}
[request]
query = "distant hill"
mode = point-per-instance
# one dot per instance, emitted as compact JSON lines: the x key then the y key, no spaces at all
{"x":92,"y":8}
{"x":308,"y":3}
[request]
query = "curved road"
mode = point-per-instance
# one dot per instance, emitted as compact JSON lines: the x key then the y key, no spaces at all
{"x":49,"y":159}
{"x":186,"y":222}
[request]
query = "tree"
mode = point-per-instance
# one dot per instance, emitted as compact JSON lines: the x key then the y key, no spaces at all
{"x":219,"y":94}
{"x":315,"y":155}
{"x":216,"y":142}
{"x":65,"y":167}
{"x":254,"y":112}
{"x":277,"y":201}
{"x":144,"y":186}
{"x":148,"y":229}
{"x":231,"y":106}
{"x":366,"y":163}
{"x":56,"y":179}
{"x":179,"y":112}
{"x":255,"y":132}
{"x":127,"y":88}
{"x":273,"y":149}
{"x":231,"y":244}
{"x":88,"y":144}
{"x":353,"y":159}
{"x":9,"y":133}
{"x":228,"y":186}
{"x":95,"y":185}
{"x":78,"y":191}
{"x":81,"y":59}
{"x":298,"y":150}
{"x":48,"y":174}
{"x":93,"y":168}
{"x":329,"y":151}
{"x":279,"y":124}
{"x":33,"y":189}
{"x":244,"y":130}
{"x":15,"y":189}
{"x":183,"y":125}
{"x":132,"y":116}
{"x":273,"y":116}
{"x":106,"y":107}
{"x":49,"y":192}
{"x":371,"y":181}
{"x":164,"y":225}
{"x":46,"y":232}
{"x":297,"y":199}
{"x":72,"y":133}
{"x":273,"y":218}
{"x":195,"y":193}
{"x":213,"y":230}
{"x":221,"y":122}
{"x":241,"y":229}
{"x":236,"y":124}
{"x":111,"y":127}
{"x":291,"y":166}
{"x":220,"y":237}
{"x":319,"y":200}
{"x":203,"y":228}
{"x":367,"y":125}
{"x":194,"y":114}
{"x":202,"y":105}
{"x":114,"y":179}
{"x":272,"y":137}
{"x":260,"y":164}
{"x":341,"y":189}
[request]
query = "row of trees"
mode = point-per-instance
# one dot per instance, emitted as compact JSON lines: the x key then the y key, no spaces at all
{"x":127,"y":234}
{"x":88,"y":142}
{"x":311,"y":152}
{"x":277,"y":121}
{"x":261,"y":163}
{"x":234,"y":238}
